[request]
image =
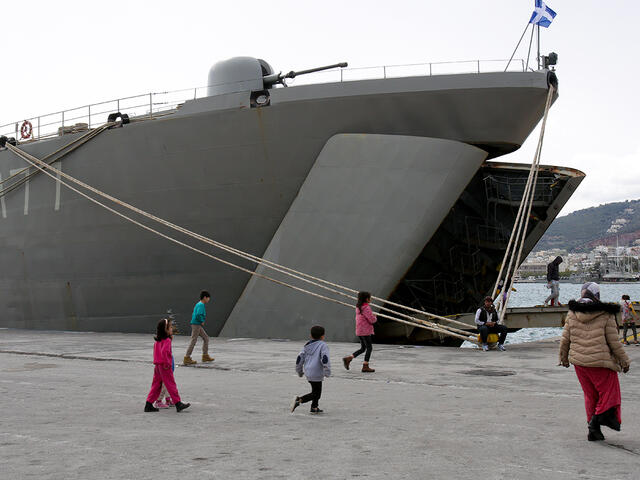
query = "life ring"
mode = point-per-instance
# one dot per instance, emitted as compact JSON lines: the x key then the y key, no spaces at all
{"x":26,"y":129}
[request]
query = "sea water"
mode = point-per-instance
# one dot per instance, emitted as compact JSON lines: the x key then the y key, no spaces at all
{"x":532,"y":294}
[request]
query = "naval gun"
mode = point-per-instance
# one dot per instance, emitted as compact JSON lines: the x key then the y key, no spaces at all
{"x":278,"y":78}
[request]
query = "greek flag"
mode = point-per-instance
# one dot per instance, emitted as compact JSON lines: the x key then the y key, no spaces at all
{"x":542,"y":15}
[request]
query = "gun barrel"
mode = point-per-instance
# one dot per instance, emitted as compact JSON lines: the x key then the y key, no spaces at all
{"x":270,"y":80}
{"x":317,"y":69}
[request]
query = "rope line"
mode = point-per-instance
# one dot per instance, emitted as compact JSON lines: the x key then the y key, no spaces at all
{"x":516,"y":242}
{"x":42,"y":166}
{"x":83,"y":138}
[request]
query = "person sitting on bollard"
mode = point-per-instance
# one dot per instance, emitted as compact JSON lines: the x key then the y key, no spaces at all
{"x":487,"y":321}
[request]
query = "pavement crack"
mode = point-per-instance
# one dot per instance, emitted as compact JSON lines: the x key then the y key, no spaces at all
{"x":622,"y":447}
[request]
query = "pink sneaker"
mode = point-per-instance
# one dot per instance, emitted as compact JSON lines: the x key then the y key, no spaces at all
{"x":159,"y":404}
{"x":169,"y":402}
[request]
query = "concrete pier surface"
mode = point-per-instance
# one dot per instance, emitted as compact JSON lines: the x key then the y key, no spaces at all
{"x":72,"y":409}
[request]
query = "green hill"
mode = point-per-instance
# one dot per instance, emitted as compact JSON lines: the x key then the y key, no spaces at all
{"x":602,"y":225}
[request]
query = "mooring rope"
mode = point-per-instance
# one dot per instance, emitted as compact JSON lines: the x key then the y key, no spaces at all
{"x":522,"y":218}
{"x":37,"y":163}
{"x":75,"y":144}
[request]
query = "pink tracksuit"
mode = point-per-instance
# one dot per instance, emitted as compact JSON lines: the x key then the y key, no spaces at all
{"x":162,"y":373}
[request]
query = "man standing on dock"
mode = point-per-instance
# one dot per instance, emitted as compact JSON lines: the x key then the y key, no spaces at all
{"x":487,"y":321}
{"x":553,"y":282}
{"x":197,"y":330}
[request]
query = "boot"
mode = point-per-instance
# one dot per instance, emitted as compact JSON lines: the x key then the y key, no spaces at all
{"x":148,"y":407}
{"x":609,"y":419}
{"x":189,"y":361}
{"x":181,"y":406}
{"x":595,"y":434}
{"x":207,"y":358}
{"x":365,"y":368}
{"x":346,"y":361}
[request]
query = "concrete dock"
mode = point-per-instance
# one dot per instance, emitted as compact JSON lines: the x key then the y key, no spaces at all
{"x":72,"y":409}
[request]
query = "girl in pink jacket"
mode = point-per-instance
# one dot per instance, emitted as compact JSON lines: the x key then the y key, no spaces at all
{"x":364,"y":330}
{"x":162,"y":373}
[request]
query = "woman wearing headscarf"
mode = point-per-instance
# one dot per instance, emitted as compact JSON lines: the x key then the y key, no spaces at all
{"x":590,"y":343}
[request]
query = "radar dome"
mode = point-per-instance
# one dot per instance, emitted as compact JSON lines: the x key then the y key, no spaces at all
{"x":237,"y":74}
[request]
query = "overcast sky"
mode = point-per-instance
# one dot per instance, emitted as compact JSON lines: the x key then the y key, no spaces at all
{"x":59,"y":55}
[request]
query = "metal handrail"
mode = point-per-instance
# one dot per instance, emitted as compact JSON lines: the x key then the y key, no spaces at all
{"x":153,"y":99}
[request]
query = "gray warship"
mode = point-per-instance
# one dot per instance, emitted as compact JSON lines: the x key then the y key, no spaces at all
{"x":382,"y":184}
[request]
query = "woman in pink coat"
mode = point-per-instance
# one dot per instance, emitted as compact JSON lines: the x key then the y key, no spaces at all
{"x":163,"y":373}
{"x":364,"y":330}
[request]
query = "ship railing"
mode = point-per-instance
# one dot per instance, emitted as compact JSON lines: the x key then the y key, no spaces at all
{"x":465,"y":260}
{"x":437,"y":290}
{"x":511,"y":189}
{"x":154,"y":104}
{"x":408,"y":70}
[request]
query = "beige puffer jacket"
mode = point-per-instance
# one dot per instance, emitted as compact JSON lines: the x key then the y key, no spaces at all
{"x":590,"y":337}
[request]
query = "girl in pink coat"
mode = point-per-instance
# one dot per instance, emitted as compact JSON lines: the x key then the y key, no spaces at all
{"x":364,"y":330}
{"x":163,"y":373}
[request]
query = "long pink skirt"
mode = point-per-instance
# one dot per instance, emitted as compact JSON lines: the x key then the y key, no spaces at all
{"x":601,"y":390}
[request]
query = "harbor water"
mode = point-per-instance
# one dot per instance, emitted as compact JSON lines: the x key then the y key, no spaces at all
{"x":531,"y":294}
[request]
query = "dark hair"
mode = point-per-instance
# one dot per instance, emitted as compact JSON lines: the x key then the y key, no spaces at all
{"x":363,"y":297}
{"x":161,"y":330}
{"x":203,"y":294}
{"x":488,"y":299}
{"x":316,"y":332}
{"x":626,"y":297}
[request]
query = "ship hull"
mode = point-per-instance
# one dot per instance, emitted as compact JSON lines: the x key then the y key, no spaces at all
{"x":224,"y":170}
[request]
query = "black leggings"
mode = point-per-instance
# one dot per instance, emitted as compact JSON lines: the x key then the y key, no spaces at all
{"x":314,"y":396}
{"x":632,"y":326}
{"x":365,"y":344}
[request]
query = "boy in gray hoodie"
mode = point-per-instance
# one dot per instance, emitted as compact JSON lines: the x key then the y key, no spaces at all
{"x":313,"y":361}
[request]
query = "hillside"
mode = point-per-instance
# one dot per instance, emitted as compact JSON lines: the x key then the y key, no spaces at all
{"x":603,"y":225}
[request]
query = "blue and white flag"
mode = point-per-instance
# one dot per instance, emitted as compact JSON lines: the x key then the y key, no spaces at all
{"x":542,"y":15}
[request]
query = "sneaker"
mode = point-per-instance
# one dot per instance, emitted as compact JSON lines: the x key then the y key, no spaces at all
{"x":159,"y":404}
{"x":181,"y":406}
{"x":295,"y":404}
{"x":148,"y":407}
{"x":315,"y":410}
{"x":626,"y":343}
{"x":169,"y":402}
{"x":485,"y":347}
{"x":501,"y":347}
{"x":189,"y":361}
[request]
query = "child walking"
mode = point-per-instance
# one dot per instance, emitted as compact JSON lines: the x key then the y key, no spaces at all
{"x":364,"y":330}
{"x":198,"y":318}
{"x":162,"y":373}
{"x":628,"y":320}
{"x":164,"y":394}
{"x":313,"y":361}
